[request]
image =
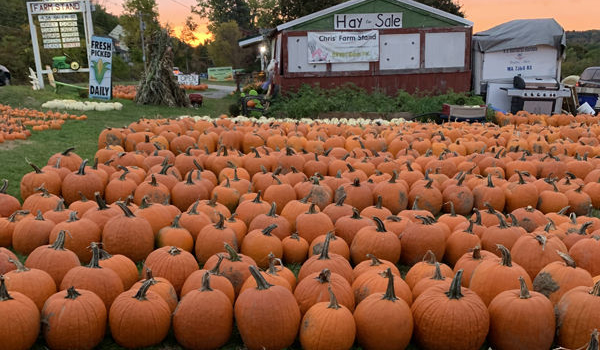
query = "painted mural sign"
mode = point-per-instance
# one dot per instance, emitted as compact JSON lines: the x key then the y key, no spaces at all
{"x":220,"y":73}
{"x":100,"y":67}
{"x":360,"y":21}
{"x":340,"y":47}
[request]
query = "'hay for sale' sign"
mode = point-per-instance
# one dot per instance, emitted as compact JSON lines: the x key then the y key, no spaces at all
{"x":334,"y":47}
{"x":101,"y":50}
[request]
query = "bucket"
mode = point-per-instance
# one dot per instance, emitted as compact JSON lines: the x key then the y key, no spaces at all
{"x":586,"y":109}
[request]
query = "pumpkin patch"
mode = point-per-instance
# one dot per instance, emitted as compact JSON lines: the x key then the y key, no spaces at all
{"x":320,"y":233}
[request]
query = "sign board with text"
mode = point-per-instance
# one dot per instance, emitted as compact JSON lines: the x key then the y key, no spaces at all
{"x":343,"y":47}
{"x":220,"y":73}
{"x":529,"y":61}
{"x":362,"y":21}
{"x":101,"y":50}
{"x":188,"y":79}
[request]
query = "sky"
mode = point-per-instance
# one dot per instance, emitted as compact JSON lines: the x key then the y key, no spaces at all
{"x":571,"y":14}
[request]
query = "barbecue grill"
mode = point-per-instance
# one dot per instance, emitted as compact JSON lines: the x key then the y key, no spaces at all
{"x":539,"y":95}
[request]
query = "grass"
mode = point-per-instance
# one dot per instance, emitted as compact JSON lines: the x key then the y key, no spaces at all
{"x":80,"y":134}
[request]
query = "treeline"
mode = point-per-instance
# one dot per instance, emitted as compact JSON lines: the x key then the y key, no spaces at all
{"x":583,"y":50}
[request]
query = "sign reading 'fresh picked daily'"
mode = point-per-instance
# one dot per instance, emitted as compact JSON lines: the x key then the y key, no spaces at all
{"x":100,"y":67}
{"x":360,"y":21}
{"x":340,"y":47}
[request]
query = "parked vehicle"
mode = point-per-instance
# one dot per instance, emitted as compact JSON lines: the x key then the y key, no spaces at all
{"x":4,"y":76}
{"x":590,"y":78}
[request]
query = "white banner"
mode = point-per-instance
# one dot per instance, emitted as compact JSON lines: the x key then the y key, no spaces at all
{"x":339,"y":47}
{"x":188,"y":79}
{"x":101,"y":49}
{"x":358,"y":21}
{"x":529,"y":61}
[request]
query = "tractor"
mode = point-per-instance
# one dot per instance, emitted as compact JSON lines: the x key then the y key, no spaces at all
{"x":60,"y":62}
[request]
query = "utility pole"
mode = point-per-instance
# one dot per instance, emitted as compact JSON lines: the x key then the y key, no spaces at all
{"x":142,"y":27}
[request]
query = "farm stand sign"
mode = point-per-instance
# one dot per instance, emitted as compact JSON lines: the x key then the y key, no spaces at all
{"x":335,"y":47}
{"x":220,"y":73}
{"x":39,"y":8}
{"x":100,"y":70}
{"x":357,"y":21}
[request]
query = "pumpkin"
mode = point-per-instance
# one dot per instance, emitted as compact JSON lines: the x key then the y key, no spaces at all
{"x":68,"y":158}
{"x":263,"y":220}
{"x":175,"y":235}
{"x":501,"y":234}
{"x":295,"y":249}
{"x":520,"y":194}
{"x":377,"y":241}
{"x":375,"y":282}
{"x":204,"y":318}
{"x":87,"y":183}
{"x":261,"y":325}
{"x":20,"y":317}
{"x":334,"y":262}
{"x":7,"y":228}
{"x":102,"y":213}
{"x":55,"y":259}
{"x":103,"y":281}
{"x":159,"y":285}
{"x":153,"y":190}
{"x":293,"y":209}
{"x":31,"y":233}
{"x":327,"y":325}
{"x":338,"y":209}
{"x":80,"y":233}
{"x":336,"y":245}
{"x":211,"y":238}
{"x":418,"y":238}
{"x":346,"y":227}
{"x":234,"y":267}
{"x":42,"y":200}
{"x":533,"y":252}
{"x":58,"y":214}
{"x":558,"y":277}
{"x":128,"y":235}
{"x":459,"y":243}
{"x":510,"y":330}
{"x":373,"y":264}
{"x":383,"y":321}
{"x":258,"y":244}
{"x":436,"y":279}
{"x":70,"y":312}
{"x":122,"y":265}
{"x":185,"y":193}
{"x":442,"y":316}
{"x":218,"y":281}
{"x":248,"y":210}
{"x":313,"y":223}
{"x":357,"y":195}
{"x":491,"y":277}
{"x":139,"y":318}
{"x":8,"y":203}
{"x":172,"y":263}
{"x":36,"y":284}
{"x":30,"y":182}
{"x":194,"y":221}
{"x":425,"y":269}
{"x":577,"y":316}
{"x":585,"y":253}
{"x":393,"y":194}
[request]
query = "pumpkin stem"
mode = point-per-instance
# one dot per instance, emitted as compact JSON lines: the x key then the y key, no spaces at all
{"x":324,"y":276}
{"x":502,"y":224}
{"x":415,"y":205}
{"x":273,"y":211}
{"x":174,"y":251}
{"x":596,"y":289}
{"x":356,"y":182}
{"x":73,"y":217}
{"x":72,"y":293}
{"x":593,"y":344}
{"x":101,"y":203}
{"x":3,"y":291}
{"x":477,"y":253}
{"x":490,"y":183}
{"x":141,"y":293}
{"x":379,"y":203}
{"x":206,"y":283}
{"x":394,"y":177}
{"x":429,"y":183}
{"x":437,"y":274}
{"x":390,"y":293}
{"x":81,"y":170}
{"x":67,"y":151}
{"x":567,"y":259}
{"x":18,"y":264}
{"x":524,"y":294}
{"x":194,"y":208}
{"x":379,"y":223}
{"x":429,"y":258}
{"x":257,"y":198}
{"x":59,"y":243}
{"x":325,"y":250}
{"x":513,"y":219}
{"x":477,"y":216}
{"x":215,"y":270}
{"x":452,"y":211}
{"x":521,"y":179}
{"x":267,"y":230}
{"x":424,"y":219}
{"x":584,"y":228}
{"x":261,"y":283}
{"x":333,"y":303}
{"x":341,"y":199}
{"x":541,"y":240}
{"x":39,"y":216}
{"x":94,"y":263}
{"x":312,"y":209}
{"x":506,"y":257}
{"x":35,"y":167}
{"x":355,"y":214}
{"x":220,"y":225}
{"x":233,"y":255}
{"x":4,"y":186}
{"x":125,"y":209}
{"x":455,"y":289}
{"x":374,"y":260}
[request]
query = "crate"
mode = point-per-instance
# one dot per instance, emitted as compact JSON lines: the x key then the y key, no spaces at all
{"x":464,"y":113}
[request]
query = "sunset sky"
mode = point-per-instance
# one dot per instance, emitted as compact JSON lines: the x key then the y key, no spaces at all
{"x":571,"y":14}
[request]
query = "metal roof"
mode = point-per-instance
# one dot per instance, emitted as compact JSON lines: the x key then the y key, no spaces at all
{"x":346,"y":4}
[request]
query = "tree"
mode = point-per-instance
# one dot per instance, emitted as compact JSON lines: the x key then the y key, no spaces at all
{"x":222,"y":11}
{"x":445,"y":5}
{"x":292,"y":9}
{"x":265,"y":13}
{"x":224,"y":49}
{"x":104,"y":22}
{"x":130,"y":20}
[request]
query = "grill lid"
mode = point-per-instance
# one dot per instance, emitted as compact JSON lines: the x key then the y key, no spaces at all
{"x":547,"y":83}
